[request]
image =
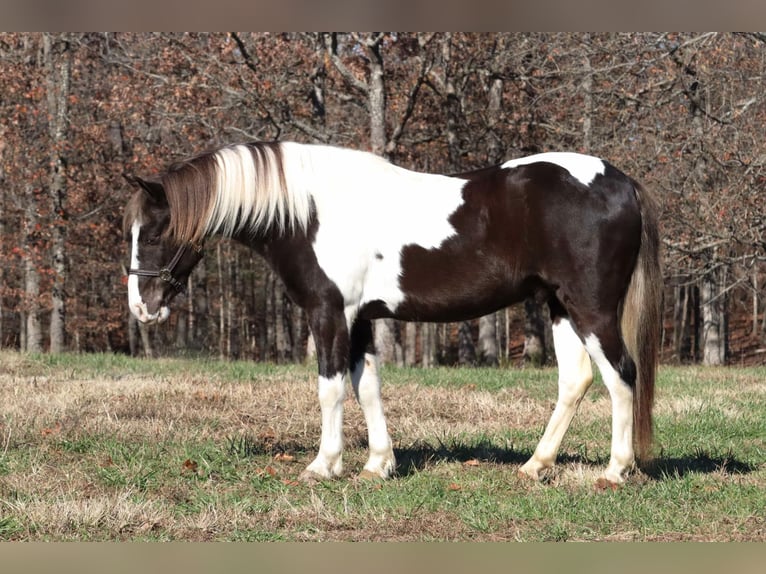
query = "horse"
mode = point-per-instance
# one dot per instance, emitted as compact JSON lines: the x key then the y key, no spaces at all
{"x":355,"y":238}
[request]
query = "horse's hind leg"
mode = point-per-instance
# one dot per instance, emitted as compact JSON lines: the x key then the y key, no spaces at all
{"x":618,"y":370}
{"x":575,"y":376}
{"x":366,"y":384}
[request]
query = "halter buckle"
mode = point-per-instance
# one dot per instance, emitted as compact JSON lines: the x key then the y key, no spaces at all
{"x":166,"y":275}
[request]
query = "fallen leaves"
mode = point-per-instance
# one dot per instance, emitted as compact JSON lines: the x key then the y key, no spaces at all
{"x":271,"y":472}
{"x":284,"y":457}
{"x":189,"y":466}
{"x":51,"y":431}
{"x":604,"y":485}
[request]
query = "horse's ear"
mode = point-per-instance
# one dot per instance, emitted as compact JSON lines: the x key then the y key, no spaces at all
{"x":152,"y":187}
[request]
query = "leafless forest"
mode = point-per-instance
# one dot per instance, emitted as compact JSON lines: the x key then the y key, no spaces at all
{"x":682,"y":113}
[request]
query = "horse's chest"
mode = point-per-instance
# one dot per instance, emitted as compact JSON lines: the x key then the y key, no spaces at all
{"x":365,"y":260}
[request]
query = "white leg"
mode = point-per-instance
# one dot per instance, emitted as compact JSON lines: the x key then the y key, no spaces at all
{"x":621,"y":458}
{"x":575,"y":376}
{"x":329,"y":461}
{"x":366,"y":384}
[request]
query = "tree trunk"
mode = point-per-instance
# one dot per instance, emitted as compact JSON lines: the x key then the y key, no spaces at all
{"x":260,"y":303}
{"x":280,"y":323}
{"x":233,"y":335}
{"x":410,"y":343}
{"x":57,"y":62}
{"x":680,"y":321}
{"x":713,"y":311}
{"x":222,"y":305}
{"x":488,"y":339}
{"x":385,"y":341}
{"x":33,"y":342}
{"x":311,"y":348}
{"x":146,"y":339}
{"x":133,"y":336}
{"x":466,"y":351}
{"x":299,"y":328}
{"x":182,"y":329}
{"x":488,"y":335}
{"x":587,"y":88}
{"x":754,"y":332}
{"x":271,"y":337}
{"x":429,"y":344}
{"x":199,"y":309}
{"x":466,"y":346}
{"x":534,"y":333}
{"x":385,"y":338}
{"x":2,"y":230}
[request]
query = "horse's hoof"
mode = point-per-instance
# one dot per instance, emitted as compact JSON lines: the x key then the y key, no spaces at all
{"x":368,"y":475}
{"x":309,"y":477}
{"x":524,"y":475}
{"x":602,"y":485}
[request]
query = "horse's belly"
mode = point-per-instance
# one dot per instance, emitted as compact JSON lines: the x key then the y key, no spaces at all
{"x":443,"y":287}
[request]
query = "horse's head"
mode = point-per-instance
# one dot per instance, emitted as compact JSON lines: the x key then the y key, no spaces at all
{"x":159,"y":266}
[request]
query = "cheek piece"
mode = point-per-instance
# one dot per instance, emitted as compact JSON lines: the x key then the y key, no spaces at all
{"x":166,"y":273}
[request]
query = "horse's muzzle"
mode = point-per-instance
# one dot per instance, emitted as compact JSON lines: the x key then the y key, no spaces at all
{"x":141,"y":313}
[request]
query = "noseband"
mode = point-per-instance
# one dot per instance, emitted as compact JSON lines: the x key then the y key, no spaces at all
{"x":166,"y":273}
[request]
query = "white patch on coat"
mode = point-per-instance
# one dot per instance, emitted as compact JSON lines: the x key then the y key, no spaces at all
{"x":135,"y":300}
{"x":622,"y":456}
{"x":249,"y":193}
{"x":584,"y":168}
{"x":366,"y":384}
{"x":575,"y":377}
{"x":368,"y":210}
{"x":329,"y":460}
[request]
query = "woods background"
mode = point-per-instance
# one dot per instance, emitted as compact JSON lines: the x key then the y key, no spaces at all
{"x":682,"y":113}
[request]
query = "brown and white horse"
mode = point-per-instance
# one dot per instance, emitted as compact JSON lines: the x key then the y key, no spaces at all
{"x":355,"y":238}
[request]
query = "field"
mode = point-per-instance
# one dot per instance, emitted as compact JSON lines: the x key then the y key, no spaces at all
{"x":104,"y":447}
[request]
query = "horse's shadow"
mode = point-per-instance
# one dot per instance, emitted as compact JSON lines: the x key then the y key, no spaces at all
{"x":416,"y":457}
{"x":700,"y":462}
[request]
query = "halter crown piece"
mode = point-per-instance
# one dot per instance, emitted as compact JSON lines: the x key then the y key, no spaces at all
{"x":166,"y":273}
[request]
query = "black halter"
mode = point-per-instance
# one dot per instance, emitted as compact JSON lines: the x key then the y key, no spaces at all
{"x":166,"y":273}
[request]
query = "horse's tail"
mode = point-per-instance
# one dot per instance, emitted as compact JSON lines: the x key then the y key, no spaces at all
{"x":642,"y":321}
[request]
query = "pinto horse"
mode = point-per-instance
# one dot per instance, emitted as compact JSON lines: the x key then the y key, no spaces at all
{"x":356,"y":238}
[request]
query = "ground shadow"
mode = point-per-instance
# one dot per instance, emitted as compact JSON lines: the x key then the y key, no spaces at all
{"x":419,"y":455}
{"x":701,"y":462}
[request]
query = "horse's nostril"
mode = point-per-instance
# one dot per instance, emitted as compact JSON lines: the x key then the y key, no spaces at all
{"x":139,"y":311}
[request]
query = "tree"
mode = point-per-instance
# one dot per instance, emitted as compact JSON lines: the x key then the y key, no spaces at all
{"x":679,"y":112}
{"x":382,"y":139}
{"x":57,"y":64}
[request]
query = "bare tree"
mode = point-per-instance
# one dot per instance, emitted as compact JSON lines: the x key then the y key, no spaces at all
{"x":383,"y":140}
{"x":57,"y":63}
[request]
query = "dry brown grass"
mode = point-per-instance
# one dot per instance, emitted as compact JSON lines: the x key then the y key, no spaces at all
{"x":110,"y":453}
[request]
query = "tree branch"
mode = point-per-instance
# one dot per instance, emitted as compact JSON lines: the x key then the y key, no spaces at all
{"x":249,"y":62}
{"x":425,"y":68}
{"x":331,"y":45}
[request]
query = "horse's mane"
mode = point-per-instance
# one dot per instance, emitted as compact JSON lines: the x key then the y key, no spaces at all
{"x":233,"y":189}
{"x":136,"y":206}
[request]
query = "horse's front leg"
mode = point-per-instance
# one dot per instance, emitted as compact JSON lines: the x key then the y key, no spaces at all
{"x":366,"y":384}
{"x":328,"y":326}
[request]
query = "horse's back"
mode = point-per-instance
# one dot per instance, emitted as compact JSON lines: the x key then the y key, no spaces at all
{"x":521,"y":230}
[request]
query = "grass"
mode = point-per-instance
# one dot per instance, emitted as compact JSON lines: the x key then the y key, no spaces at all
{"x":104,"y":447}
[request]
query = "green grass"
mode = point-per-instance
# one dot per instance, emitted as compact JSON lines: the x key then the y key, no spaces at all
{"x":104,"y":447}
